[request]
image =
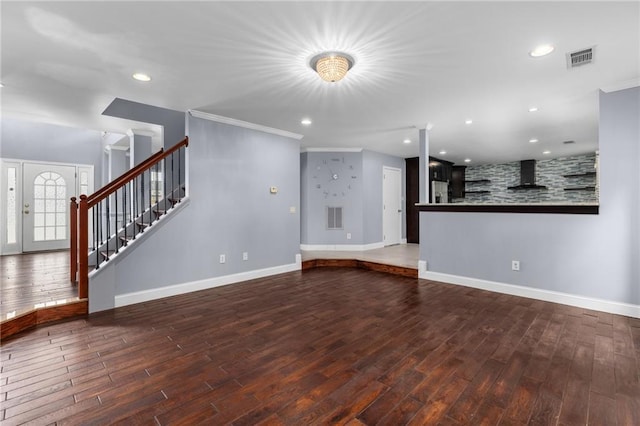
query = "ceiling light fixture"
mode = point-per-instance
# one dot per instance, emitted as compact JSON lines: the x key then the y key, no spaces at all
{"x":534,"y":140}
{"x":542,"y":50}
{"x":331,"y":66}
{"x":305,"y":121}
{"x":443,"y":152}
{"x":533,"y":109}
{"x":467,"y":160}
{"x":546,"y":152}
{"x":407,"y":141}
{"x":1,"y":85}
{"x":468,"y":121}
{"x":141,"y":77}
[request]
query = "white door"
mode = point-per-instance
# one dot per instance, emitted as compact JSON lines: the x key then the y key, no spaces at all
{"x":391,"y":206}
{"x":47,"y":190}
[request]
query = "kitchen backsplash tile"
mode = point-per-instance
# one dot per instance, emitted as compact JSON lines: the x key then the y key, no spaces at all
{"x":550,"y":173}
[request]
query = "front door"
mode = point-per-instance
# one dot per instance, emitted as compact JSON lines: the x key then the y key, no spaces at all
{"x":391,"y":206}
{"x":47,"y":189}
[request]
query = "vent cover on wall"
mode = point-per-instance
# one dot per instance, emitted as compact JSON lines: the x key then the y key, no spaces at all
{"x":334,"y":217}
{"x":580,"y":57}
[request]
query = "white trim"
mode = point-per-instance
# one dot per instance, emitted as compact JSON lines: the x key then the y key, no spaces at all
{"x":177,"y":289}
{"x":403,"y":241}
{"x":341,"y":247}
{"x":621,"y":85}
{"x":319,"y":149}
{"x":244,"y":124}
{"x":140,"y":132}
{"x":533,"y":293}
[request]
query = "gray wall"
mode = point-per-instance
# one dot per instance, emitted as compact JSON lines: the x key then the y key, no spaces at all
{"x":142,"y":148}
{"x":230,"y":211}
{"x":373,"y":163}
{"x":321,"y":191}
{"x":172,"y":121}
{"x":360,"y":196}
{"x":595,"y":256}
{"x":49,"y":142}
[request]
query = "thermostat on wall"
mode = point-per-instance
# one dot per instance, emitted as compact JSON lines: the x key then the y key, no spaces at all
{"x":273,"y":189}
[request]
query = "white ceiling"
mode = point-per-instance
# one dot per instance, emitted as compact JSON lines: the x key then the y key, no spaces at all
{"x":416,"y":63}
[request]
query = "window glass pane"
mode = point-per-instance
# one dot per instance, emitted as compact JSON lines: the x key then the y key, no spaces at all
{"x":50,"y":191}
{"x":39,"y":180}
{"x":38,"y":191}
{"x":50,"y":206}
{"x":61,"y":232}
{"x":39,"y":206}
{"x":61,"y":205}
{"x":38,"y":234}
{"x":12,"y":217}
{"x":38,"y":219}
{"x":60,"y":192}
{"x":50,"y":219}
{"x":60,"y":219}
{"x":50,"y":233}
{"x":84,"y":178}
{"x":46,"y":175}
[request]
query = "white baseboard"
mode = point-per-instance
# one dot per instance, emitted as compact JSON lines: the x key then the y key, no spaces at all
{"x":177,"y":289}
{"x":533,"y":293}
{"x":341,"y":247}
{"x":403,"y":241}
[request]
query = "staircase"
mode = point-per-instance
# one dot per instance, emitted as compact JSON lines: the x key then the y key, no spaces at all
{"x":110,"y":220}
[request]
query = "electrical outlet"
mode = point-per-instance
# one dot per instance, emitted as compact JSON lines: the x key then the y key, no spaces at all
{"x":348,"y":235}
{"x":245,"y":256}
{"x":223,"y":258}
{"x":515,"y":265}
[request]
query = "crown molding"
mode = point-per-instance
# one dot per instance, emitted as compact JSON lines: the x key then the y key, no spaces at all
{"x":244,"y":124}
{"x":622,"y":85}
{"x":323,"y":149}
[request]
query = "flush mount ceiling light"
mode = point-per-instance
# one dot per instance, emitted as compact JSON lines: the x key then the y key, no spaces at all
{"x":468,"y":121}
{"x":141,"y":77}
{"x":542,"y":50}
{"x":467,"y":160}
{"x":534,"y":140}
{"x":546,"y":152}
{"x":533,"y":109}
{"x":331,"y":66}
{"x":407,"y":141}
{"x":305,"y":121}
{"x":443,"y":152}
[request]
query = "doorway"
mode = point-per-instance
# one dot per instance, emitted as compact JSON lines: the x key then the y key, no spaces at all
{"x":391,"y":206}
{"x":37,"y":198}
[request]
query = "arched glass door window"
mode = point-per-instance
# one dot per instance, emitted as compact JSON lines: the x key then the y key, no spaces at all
{"x":50,"y":207}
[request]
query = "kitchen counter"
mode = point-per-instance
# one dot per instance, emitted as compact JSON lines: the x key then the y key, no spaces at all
{"x":556,"y":208}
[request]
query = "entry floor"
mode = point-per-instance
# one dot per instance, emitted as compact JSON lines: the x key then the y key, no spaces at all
{"x":34,"y":280}
{"x":405,"y":255}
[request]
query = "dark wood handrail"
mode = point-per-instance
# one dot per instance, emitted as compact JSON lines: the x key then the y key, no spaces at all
{"x":113,"y":186}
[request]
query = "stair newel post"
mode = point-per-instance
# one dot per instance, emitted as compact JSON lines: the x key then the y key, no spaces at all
{"x":83,"y":249}
{"x":73,"y":220}
{"x":186,"y":168}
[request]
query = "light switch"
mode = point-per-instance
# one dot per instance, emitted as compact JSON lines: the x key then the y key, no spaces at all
{"x":273,"y":189}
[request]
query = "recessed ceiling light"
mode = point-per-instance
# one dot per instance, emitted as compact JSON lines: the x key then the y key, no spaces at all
{"x":546,"y":152}
{"x":467,"y":160}
{"x":468,"y":121}
{"x":534,"y":140}
{"x":407,"y":141}
{"x":533,"y":109}
{"x":305,"y":121}
{"x":443,"y":152}
{"x":542,"y":50}
{"x":141,"y":76}
{"x":1,"y":85}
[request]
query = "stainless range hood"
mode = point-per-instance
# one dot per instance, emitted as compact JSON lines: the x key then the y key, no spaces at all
{"x":527,"y":176}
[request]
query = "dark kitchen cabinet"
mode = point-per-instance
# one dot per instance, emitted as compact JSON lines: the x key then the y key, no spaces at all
{"x":440,"y":170}
{"x":412,"y":197}
{"x":457,"y":181}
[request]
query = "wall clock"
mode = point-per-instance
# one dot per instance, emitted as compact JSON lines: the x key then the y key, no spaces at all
{"x":334,"y":177}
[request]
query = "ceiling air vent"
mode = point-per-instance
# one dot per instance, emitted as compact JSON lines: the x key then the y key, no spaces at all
{"x":580,"y":57}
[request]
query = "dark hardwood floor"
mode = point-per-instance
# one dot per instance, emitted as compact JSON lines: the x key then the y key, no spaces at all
{"x":328,"y":346}
{"x":34,"y":279}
